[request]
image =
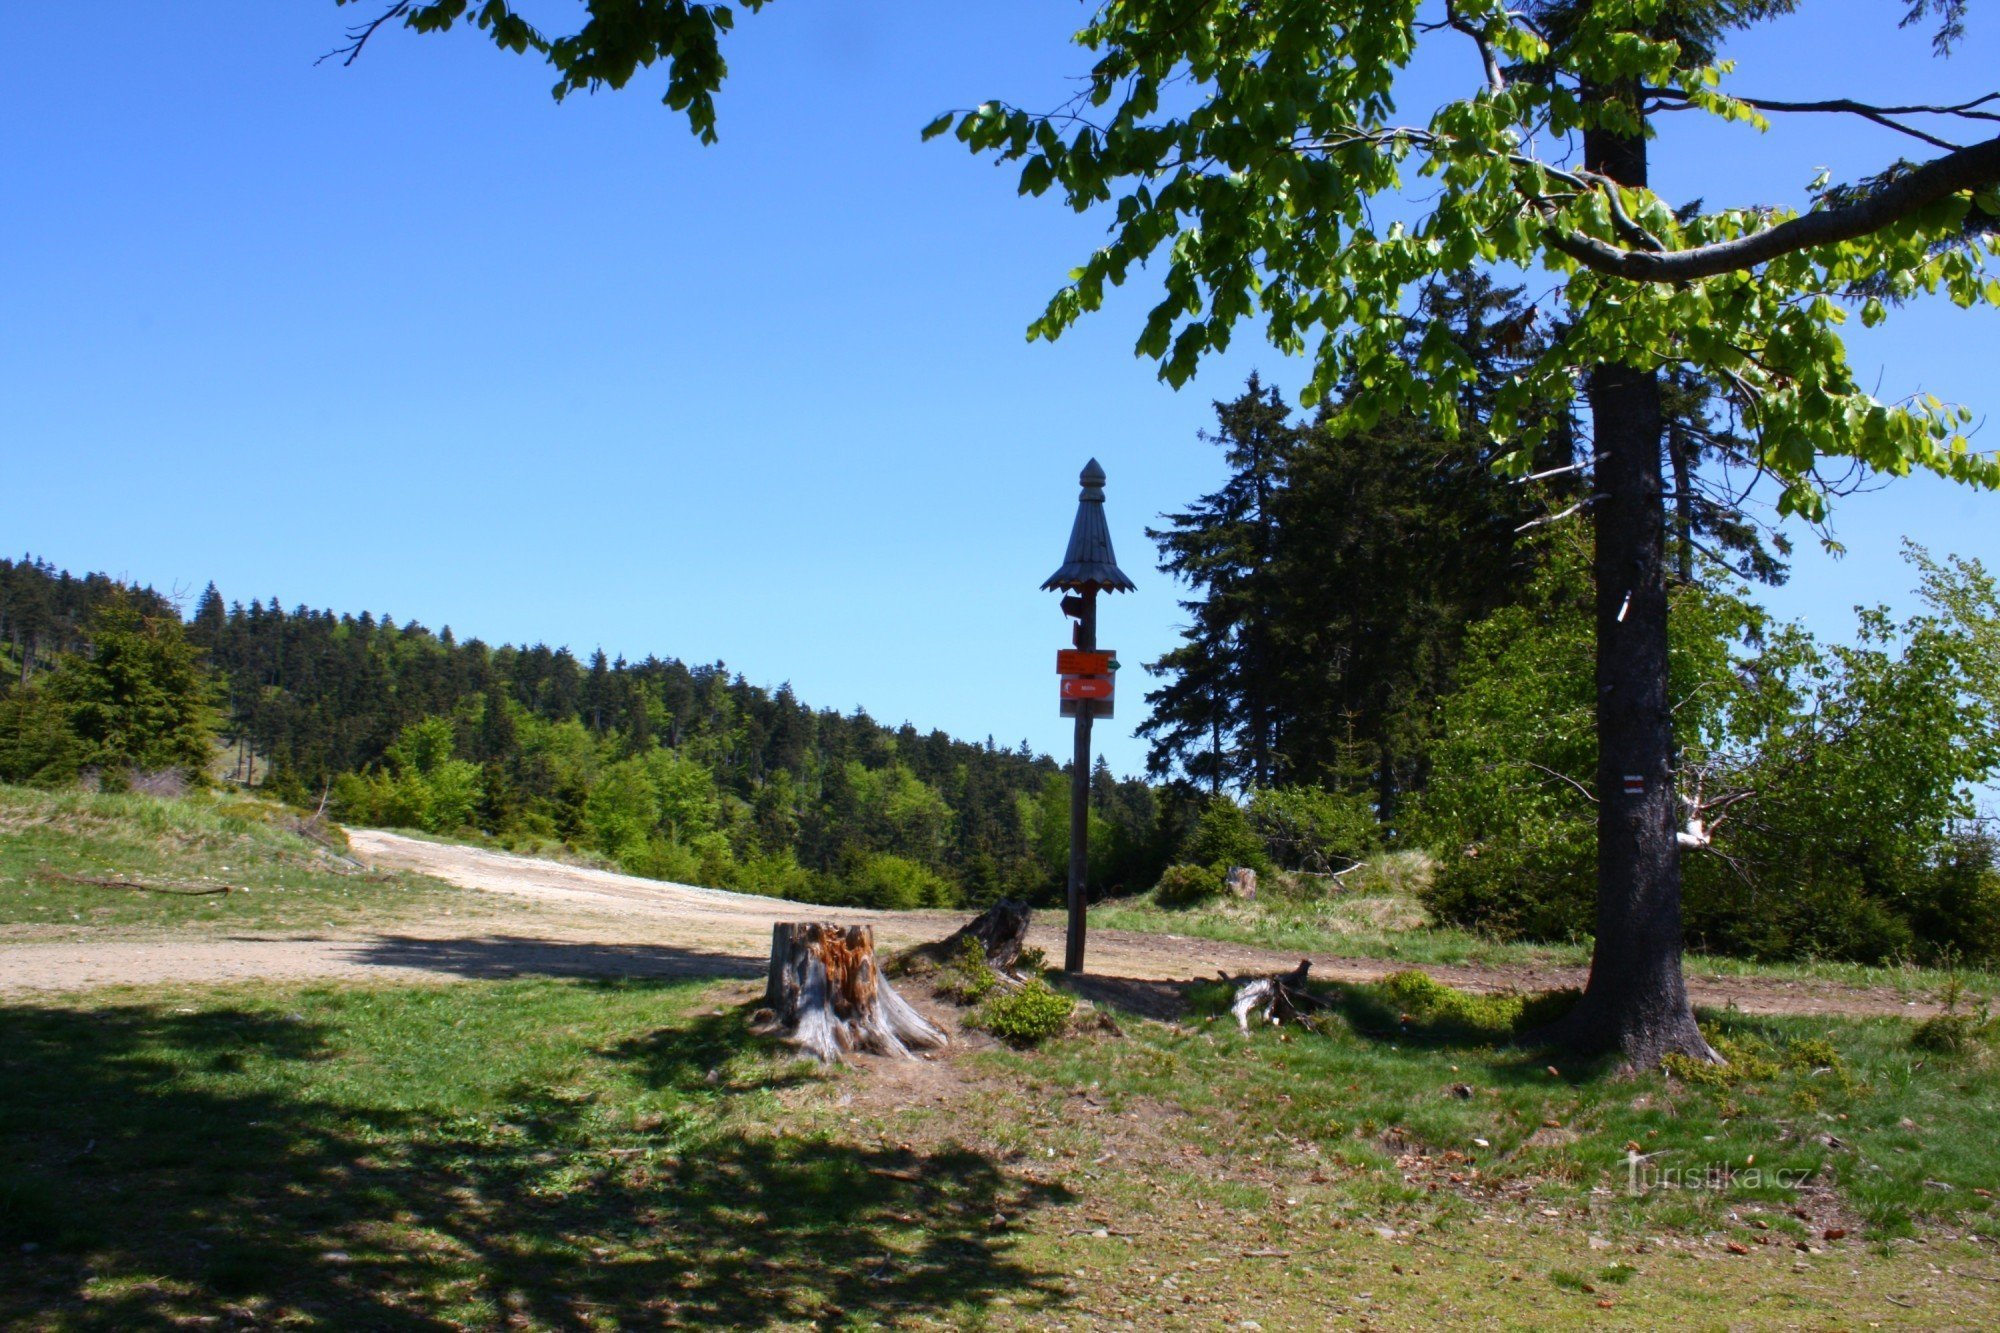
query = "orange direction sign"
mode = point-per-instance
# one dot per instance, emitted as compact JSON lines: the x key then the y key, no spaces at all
{"x":1082,"y":662}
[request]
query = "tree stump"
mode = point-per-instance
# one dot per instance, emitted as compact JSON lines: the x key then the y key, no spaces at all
{"x":827,"y":996}
{"x":1001,"y":932}
{"x":1242,"y":883}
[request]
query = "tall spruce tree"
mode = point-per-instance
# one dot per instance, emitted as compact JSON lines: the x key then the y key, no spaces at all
{"x":1218,"y":717}
{"x":1335,"y":572}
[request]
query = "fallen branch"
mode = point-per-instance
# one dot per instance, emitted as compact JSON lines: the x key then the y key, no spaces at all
{"x":174,"y":889}
{"x":1280,"y":999}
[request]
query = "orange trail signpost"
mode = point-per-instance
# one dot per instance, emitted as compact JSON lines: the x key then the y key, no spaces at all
{"x":1086,"y":690}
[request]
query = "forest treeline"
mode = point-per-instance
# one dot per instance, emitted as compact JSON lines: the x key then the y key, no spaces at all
{"x":680,"y":771}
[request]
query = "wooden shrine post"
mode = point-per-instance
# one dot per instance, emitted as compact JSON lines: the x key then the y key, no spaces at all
{"x":1087,"y":681}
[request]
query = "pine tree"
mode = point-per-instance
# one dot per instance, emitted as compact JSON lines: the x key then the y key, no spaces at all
{"x":1217,"y":718}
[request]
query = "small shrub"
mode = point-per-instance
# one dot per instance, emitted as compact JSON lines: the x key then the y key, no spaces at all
{"x":1535,"y":884}
{"x":1747,"y":1058}
{"x":1027,"y":1016}
{"x":1188,"y":885}
{"x":1223,"y":836}
{"x":1031,"y":960}
{"x":1306,"y":828}
{"x":1810,"y":1053}
{"x":776,"y":875}
{"x":898,"y":884}
{"x":1423,"y":1001}
{"x":967,"y":978}
{"x":1947,"y":1034}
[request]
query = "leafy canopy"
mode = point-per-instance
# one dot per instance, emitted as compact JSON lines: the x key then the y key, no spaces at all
{"x":1259,"y":152}
{"x":618,"y":38}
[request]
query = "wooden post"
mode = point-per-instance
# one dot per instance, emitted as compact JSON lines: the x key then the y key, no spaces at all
{"x":1079,"y":800}
{"x":1088,"y":566}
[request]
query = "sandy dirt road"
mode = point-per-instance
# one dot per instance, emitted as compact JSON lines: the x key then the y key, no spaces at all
{"x":532,"y":917}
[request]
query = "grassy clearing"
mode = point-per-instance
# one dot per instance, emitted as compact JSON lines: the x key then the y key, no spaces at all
{"x":1378,"y":915}
{"x":542,"y":1154}
{"x":526,"y":1154}
{"x":291,"y":882}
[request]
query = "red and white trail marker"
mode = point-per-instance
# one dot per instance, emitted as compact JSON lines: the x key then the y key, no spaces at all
{"x":1635,"y":784}
{"x":1086,"y":687}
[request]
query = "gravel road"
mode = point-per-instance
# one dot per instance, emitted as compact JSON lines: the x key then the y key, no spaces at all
{"x":540,"y":917}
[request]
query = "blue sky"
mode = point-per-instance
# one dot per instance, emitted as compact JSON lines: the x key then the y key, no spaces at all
{"x":413,"y":338}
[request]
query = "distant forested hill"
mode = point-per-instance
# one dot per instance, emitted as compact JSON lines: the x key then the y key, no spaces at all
{"x":683,"y":771}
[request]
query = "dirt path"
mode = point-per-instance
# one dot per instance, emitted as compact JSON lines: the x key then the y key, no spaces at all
{"x":548,"y":918}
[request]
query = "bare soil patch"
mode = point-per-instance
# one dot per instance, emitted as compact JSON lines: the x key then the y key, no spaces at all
{"x":541,"y":917}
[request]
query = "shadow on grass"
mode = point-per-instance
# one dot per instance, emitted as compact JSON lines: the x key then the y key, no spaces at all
{"x":502,"y":957}
{"x":1435,"y":1018}
{"x":159,"y":1166}
{"x":1501,"y":1026}
{"x":1161,"y":1000}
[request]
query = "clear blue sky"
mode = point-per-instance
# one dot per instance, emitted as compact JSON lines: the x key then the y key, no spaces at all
{"x":413,"y":338}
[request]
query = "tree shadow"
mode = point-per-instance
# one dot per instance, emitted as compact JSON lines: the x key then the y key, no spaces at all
{"x":1163,"y":1001}
{"x":501,"y":957}
{"x":159,"y":1167}
{"x":1507,"y":1048}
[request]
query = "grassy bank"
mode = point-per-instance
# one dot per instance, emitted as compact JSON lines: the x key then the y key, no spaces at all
{"x":1381,"y":917}
{"x":279,"y":880}
{"x":542,"y":1154}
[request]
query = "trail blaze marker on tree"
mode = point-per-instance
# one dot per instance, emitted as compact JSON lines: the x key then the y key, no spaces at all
{"x":1088,"y":567}
{"x":1635,"y":784}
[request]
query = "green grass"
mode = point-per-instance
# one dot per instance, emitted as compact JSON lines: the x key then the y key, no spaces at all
{"x":545,"y":1154}
{"x":1427,"y":1066}
{"x":291,"y":883}
{"x":534,"y":1154}
{"x":1394,"y":927}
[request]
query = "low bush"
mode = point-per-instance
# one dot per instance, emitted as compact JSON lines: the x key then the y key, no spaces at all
{"x":1539,"y":884}
{"x":1224,"y":836}
{"x":967,"y":978}
{"x":1748,"y":1059}
{"x":896,"y":883}
{"x":1187,"y":885}
{"x":1423,"y":1001}
{"x":1317,"y":831}
{"x":1028,"y":1015}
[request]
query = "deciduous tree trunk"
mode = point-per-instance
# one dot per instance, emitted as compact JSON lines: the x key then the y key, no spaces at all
{"x":1636,"y":999}
{"x":827,"y":996}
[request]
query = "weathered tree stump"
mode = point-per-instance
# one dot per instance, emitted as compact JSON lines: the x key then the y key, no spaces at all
{"x":1242,"y":883}
{"x":1001,"y":931}
{"x":1282,"y":999}
{"x":827,"y":996}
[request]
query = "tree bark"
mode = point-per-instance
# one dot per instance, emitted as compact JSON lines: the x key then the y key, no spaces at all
{"x":1636,"y":999}
{"x":826,"y":995}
